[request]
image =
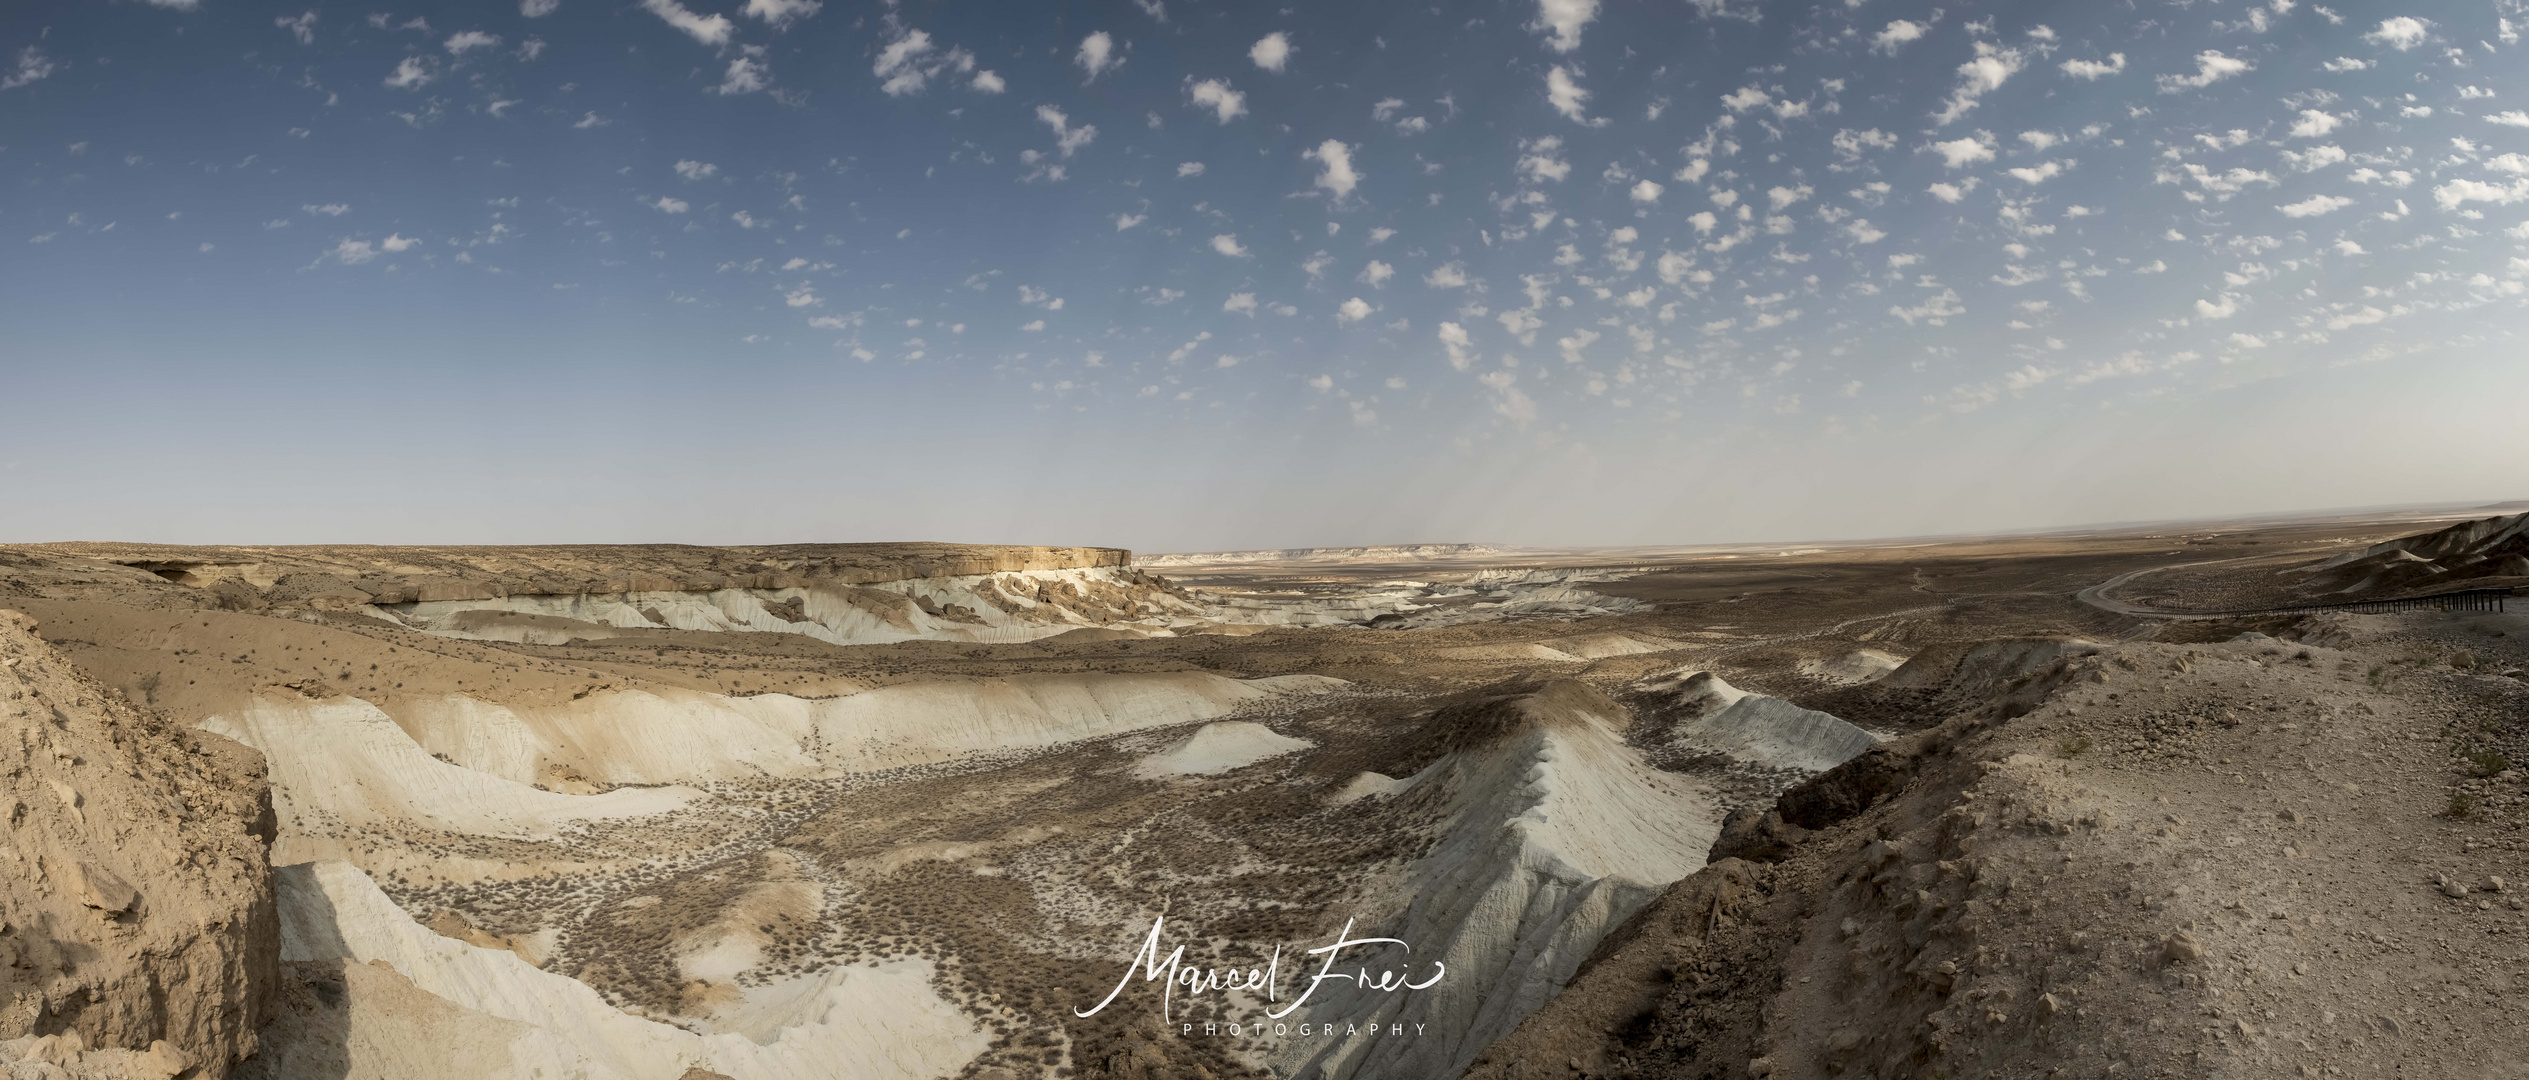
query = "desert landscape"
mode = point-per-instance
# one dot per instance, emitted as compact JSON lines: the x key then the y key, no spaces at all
{"x":2045,"y":805}
{"x":1179,"y":540}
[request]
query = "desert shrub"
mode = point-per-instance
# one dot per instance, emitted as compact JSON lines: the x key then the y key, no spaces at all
{"x":2484,"y":763}
{"x":2463,"y":660}
{"x":2072,"y":746}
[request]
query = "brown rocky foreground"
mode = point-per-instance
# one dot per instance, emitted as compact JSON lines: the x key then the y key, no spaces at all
{"x":137,"y":932}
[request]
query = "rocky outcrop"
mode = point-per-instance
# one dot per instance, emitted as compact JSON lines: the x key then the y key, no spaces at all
{"x":2490,"y":551}
{"x":137,"y":928}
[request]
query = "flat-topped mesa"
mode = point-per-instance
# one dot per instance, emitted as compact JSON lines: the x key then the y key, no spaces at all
{"x":1378,"y":553}
{"x":370,"y":574}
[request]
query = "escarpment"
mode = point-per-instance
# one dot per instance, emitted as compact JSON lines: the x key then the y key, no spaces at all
{"x":137,"y":928}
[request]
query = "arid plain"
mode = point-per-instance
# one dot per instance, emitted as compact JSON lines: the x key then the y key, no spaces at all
{"x":2074,"y":804}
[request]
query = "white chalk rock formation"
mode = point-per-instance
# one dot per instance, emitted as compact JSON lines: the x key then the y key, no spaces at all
{"x":1218,"y":748}
{"x":1558,"y":832}
{"x":487,"y":1007}
{"x":341,"y":761}
{"x":472,"y":766}
{"x":1853,"y":668}
{"x":1706,"y":713}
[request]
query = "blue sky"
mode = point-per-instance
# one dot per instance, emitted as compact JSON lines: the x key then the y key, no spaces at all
{"x":1180,"y":275}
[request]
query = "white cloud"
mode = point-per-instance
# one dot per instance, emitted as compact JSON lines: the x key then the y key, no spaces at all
{"x":1960,"y":153}
{"x":1272,"y":51}
{"x":2348,"y":247}
{"x":2227,"y":307}
{"x":1979,"y":76}
{"x":1563,"y":20}
{"x":1896,"y":34}
{"x":2458,"y":193}
{"x":2346,"y":63}
{"x":301,"y":26}
{"x":2318,"y":157}
{"x":1745,"y":98}
{"x":1337,"y":174}
{"x":1447,"y":276}
{"x":2315,"y":205}
{"x":1538,"y":160}
{"x":712,"y":30}
{"x":2041,"y":173}
{"x":1950,"y":193}
{"x":1126,"y":221}
{"x":350,"y":252}
{"x":1189,"y":168}
{"x":1782,"y":197}
{"x":2093,"y":70}
{"x":1376,"y":274}
{"x":1646,"y":191}
{"x":667,"y":205}
{"x":985,"y":82}
{"x":2040,"y":140}
{"x":781,"y":12}
{"x":1454,"y":338}
{"x":1936,"y":311}
{"x":2210,"y":67}
{"x":2314,"y":124}
{"x":2514,"y":118}
{"x":1568,"y":98}
{"x":1862,"y":232}
{"x":462,"y":43}
{"x":2400,"y":33}
{"x":1352,"y":311}
{"x":1227,"y":244}
{"x":32,"y":65}
{"x":1067,"y":139}
{"x":1215,"y":94}
{"x":746,"y":75}
{"x":900,"y":65}
{"x":1703,"y":221}
{"x":537,"y":9}
{"x":1852,"y":144}
{"x":327,"y":209}
{"x":2364,"y":317}
{"x":412,"y":72}
{"x":695,"y":170}
{"x":1240,"y":304}
{"x":1097,"y":54}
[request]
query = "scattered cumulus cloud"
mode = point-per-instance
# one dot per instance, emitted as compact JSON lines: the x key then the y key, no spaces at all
{"x":1567,"y":97}
{"x":1335,"y":173}
{"x":1561,"y":21}
{"x":2094,"y":70}
{"x":1272,"y":51}
{"x":2401,"y":33}
{"x":1214,"y":94}
{"x":712,"y":30}
{"x":1097,"y":55}
{"x":1897,"y":34}
{"x":2210,"y":67}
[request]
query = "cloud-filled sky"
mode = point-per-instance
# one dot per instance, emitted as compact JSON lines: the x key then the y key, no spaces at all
{"x":1177,"y":274}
